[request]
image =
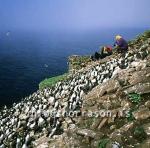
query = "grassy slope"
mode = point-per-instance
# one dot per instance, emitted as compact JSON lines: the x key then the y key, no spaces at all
{"x":52,"y":81}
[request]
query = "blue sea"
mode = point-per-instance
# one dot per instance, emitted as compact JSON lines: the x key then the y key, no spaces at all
{"x":28,"y":57}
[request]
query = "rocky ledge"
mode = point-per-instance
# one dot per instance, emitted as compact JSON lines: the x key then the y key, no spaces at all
{"x":105,"y":104}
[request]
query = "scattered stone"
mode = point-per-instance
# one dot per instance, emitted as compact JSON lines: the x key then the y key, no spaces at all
{"x":86,"y":132}
{"x":141,"y":114}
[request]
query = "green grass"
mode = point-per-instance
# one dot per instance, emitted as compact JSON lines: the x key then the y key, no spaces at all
{"x":49,"y":82}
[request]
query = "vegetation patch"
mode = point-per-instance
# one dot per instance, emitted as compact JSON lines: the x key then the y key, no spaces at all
{"x":52,"y":81}
{"x":130,"y":115}
{"x":103,"y":143}
{"x":139,"y":133}
{"x":135,"y":98}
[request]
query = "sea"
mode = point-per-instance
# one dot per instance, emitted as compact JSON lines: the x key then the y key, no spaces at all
{"x":28,"y":57}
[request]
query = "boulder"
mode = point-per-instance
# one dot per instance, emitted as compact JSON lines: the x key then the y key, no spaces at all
{"x":140,"y":76}
{"x":108,"y":87}
{"x":141,"y":88}
{"x":141,"y":114}
{"x":118,"y":134}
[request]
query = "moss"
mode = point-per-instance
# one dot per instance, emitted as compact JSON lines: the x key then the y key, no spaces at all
{"x":52,"y":81}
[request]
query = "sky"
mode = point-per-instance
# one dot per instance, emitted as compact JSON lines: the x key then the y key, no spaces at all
{"x":73,"y":14}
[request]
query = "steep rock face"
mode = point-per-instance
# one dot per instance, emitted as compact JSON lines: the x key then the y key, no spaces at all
{"x":103,"y":104}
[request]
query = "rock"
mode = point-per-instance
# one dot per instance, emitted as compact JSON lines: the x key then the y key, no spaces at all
{"x":126,"y":104}
{"x":86,"y":132}
{"x":117,"y":135}
{"x":66,"y":140}
{"x":140,"y":76}
{"x":140,"y":65}
{"x":147,"y":128}
{"x":22,"y":117}
{"x":107,"y":104}
{"x":42,"y":142}
{"x":123,"y":129}
{"x":141,"y":88}
{"x":147,"y":104}
{"x":108,"y":87}
{"x":103,"y":122}
{"x":145,"y":144}
{"x":112,"y":127}
{"x":141,"y":114}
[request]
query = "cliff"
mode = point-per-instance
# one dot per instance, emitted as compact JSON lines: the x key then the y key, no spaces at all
{"x":104,"y":104}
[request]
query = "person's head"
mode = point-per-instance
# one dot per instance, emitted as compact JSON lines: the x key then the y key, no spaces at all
{"x":118,"y":37}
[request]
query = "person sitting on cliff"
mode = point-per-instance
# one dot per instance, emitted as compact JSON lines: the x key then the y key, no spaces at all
{"x":121,"y":44}
{"x":104,"y":52}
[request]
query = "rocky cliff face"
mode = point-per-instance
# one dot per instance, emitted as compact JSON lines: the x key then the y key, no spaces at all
{"x":103,"y":104}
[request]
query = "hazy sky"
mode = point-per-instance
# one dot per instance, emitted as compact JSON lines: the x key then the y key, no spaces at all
{"x":73,"y":14}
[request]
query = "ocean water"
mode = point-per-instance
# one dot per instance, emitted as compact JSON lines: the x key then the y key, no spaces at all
{"x":28,"y":57}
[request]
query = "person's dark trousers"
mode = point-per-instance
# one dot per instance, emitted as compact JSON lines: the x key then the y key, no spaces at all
{"x":97,"y":56}
{"x":122,"y":51}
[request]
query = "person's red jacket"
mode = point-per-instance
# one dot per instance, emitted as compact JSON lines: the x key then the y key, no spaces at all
{"x":109,"y":49}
